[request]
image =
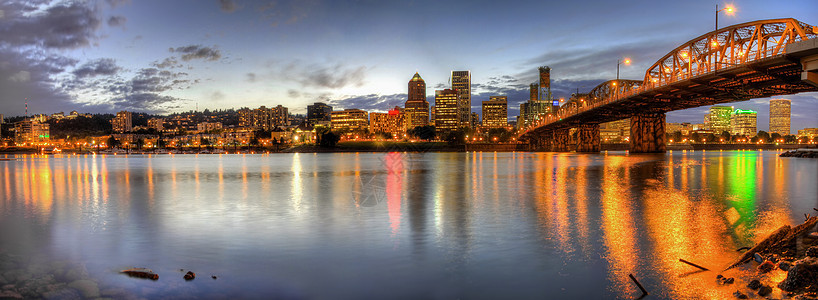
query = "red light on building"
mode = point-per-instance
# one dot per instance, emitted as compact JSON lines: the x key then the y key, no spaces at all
{"x":394,"y":112}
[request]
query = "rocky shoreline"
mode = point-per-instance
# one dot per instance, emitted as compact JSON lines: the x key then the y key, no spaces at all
{"x":805,"y":153}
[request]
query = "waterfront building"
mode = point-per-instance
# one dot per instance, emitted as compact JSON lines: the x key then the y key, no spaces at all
{"x":717,"y":118}
{"x":743,"y":122}
{"x":263,"y":117}
{"x":808,"y":132}
{"x":122,"y":122}
{"x":156,"y":123}
{"x":391,"y":122}
{"x":615,"y":132}
{"x":208,"y":126}
{"x":432,"y":115}
{"x":446,"y":111}
{"x":318,"y":112}
{"x":349,"y":120}
{"x":31,"y":131}
{"x":475,"y":120}
{"x":780,"y":116}
{"x":417,"y":108}
{"x":2,"y":121}
{"x":279,"y":116}
{"x":461,"y":82}
{"x":495,"y":112}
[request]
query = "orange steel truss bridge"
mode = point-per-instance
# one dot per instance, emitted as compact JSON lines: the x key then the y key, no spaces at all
{"x":745,"y":61}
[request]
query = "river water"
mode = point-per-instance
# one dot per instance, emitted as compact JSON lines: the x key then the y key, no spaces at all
{"x":398,"y":225}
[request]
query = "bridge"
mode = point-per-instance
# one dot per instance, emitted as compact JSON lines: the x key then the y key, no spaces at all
{"x":741,"y":62}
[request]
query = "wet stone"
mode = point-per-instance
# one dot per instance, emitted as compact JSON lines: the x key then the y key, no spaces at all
{"x":765,"y":290}
{"x":767,"y":266}
{"x":758,"y":258}
{"x":802,"y":276}
{"x":812,"y":251}
{"x":785,"y":265}
{"x":740,"y":295}
{"x":87,"y":288}
{"x":62,"y":294}
{"x":754,"y":284}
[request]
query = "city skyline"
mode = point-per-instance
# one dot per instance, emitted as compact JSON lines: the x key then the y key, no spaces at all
{"x":124,"y":55}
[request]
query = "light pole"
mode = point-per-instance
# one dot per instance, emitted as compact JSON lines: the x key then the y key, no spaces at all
{"x":728,"y":10}
{"x":618,"y":62}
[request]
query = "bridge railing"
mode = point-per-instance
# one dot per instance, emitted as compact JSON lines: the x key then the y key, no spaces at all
{"x":763,"y":44}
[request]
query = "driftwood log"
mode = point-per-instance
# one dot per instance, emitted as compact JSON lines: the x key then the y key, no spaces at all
{"x":141,"y":273}
{"x":784,"y":236}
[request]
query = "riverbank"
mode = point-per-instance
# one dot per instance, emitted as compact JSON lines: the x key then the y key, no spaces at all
{"x":806,"y":153}
{"x":379,"y":147}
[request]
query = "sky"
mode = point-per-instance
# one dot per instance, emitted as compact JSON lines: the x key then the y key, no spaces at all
{"x":174,"y":56}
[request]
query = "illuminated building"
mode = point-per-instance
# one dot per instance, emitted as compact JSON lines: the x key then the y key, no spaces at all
{"x":31,"y":131}
{"x":808,"y":132}
{"x":446,"y":111}
{"x":318,"y":112}
{"x":208,"y":126}
{"x":743,"y":122}
{"x":122,"y":122}
{"x":432,"y":115}
{"x":263,"y":117}
{"x":780,"y":116}
{"x":615,"y":132}
{"x":156,"y":123}
{"x":461,"y":82}
{"x":718,"y":119}
{"x":391,"y":122}
{"x":475,"y":120}
{"x":495,"y":112}
{"x":349,"y":120}
{"x":417,"y":108}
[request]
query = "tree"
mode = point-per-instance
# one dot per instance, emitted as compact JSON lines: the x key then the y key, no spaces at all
{"x":763,"y":136}
{"x":710,"y":137}
{"x":774,"y":137}
{"x":382,"y":135}
{"x":140,"y":143}
{"x":455,"y":137}
{"x":695,"y":137}
{"x":113,"y":142}
{"x":790,"y":139}
{"x":254,"y":142}
{"x":161,"y":143}
{"x":423,"y":132}
{"x":677,"y":137}
{"x":501,"y":135}
{"x":329,"y":139}
{"x":726,"y":135}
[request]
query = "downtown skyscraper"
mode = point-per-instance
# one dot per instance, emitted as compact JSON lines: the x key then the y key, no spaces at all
{"x":780,"y":116}
{"x":461,"y":82}
{"x":416,"y":107}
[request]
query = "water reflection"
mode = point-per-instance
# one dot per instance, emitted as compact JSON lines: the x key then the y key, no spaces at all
{"x":424,"y":225}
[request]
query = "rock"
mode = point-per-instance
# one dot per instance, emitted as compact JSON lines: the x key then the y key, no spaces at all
{"x":785,"y":265}
{"x":740,"y":295}
{"x":141,"y":273}
{"x":87,"y":288}
{"x":773,"y":258}
{"x":214,"y":277}
{"x":62,"y":294}
{"x":190,"y":275}
{"x":802,"y":276}
{"x":10,"y":295}
{"x":754,"y":284}
{"x":767,"y":266}
{"x":758,"y":258}
{"x":812,"y":251}
{"x":75,"y":274}
{"x":764,"y":290}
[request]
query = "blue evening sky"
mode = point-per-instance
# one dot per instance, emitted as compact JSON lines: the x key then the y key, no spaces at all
{"x":169,"y":56}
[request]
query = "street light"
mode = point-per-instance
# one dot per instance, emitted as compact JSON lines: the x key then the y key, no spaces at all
{"x":728,"y":9}
{"x":627,"y":62}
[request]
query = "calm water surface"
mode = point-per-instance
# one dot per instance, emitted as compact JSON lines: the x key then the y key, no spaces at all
{"x":402,"y":225}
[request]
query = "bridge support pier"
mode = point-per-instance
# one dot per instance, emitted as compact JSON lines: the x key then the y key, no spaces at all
{"x":588,"y":138}
{"x":648,"y":133}
{"x":559,"y":142}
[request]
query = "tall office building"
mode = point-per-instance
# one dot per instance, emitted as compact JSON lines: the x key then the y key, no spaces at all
{"x":743,"y":122}
{"x":122,"y":122}
{"x":718,"y":119}
{"x":461,"y":82}
{"x":780,"y":116}
{"x":417,"y":108}
{"x":279,"y":116}
{"x":475,"y":120}
{"x":495,"y":112}
{"x":391,"y":122}
{"x":447,"y":111}
{"x":156,"y":123}
{"x":350,"y":120}
{"x":432,"y":115}
{"x":318,"y":112}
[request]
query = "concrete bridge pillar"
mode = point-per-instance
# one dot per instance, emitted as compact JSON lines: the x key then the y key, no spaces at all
{"x":648,"y":133}
{"x":588,"y":138}
{"x":559,"y":142}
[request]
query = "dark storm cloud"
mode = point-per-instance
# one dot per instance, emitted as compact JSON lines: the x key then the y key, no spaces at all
{"x":228,"y":5}
{"x":66,"y":25}
{"x":197,"y":52}
{"x":102,"y":66}
{"x":371,"y":102}
{"x":324,"y":76}
{"x":117,"y":21}
{"x":29,"y":75}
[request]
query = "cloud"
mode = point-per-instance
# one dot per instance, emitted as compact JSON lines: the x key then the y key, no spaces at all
{"x":324,"y":76}
{"x":169,"y":62}
{"x":228,"y":5}
{"x":22,"y":76}
{"x":115,"y":3}
{"x":30,"y":76}
{"x":217,"y":95}
{"x":293,"y":93}
{"x":198,"y":52}
{"x":251,"y":77}
{"x":117,"y":21}
{"x":287,"y":12}
{"x":102,"y":66}
{"x":66,"y":25}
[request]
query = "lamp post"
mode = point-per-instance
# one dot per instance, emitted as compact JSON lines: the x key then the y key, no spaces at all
{"x":728,"y":10}
{"x":618,"y":62}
